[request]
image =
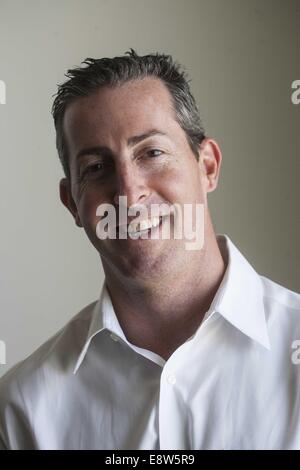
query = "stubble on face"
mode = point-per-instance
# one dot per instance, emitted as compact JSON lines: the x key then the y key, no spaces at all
{"x":107,"y":119}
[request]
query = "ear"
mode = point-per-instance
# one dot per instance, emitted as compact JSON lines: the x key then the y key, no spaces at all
{"x":210,"y":158}
{"x":67,"y":200}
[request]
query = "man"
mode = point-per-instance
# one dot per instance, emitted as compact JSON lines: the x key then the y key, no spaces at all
{"x":185,"y":348}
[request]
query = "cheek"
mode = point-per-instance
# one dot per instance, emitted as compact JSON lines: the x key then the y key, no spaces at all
{"x":87,"y":207}
{"x":182,"y":184}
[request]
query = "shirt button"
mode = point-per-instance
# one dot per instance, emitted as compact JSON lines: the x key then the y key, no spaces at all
{"x":171,"y":379}
{"x":114,"y":337}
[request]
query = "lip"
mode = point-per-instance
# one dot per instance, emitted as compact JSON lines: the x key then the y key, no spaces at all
{"x":160,"y":216}
{"x":150,"y":229}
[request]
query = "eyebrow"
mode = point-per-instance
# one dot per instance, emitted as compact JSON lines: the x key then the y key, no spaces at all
{"x":103,"y":150}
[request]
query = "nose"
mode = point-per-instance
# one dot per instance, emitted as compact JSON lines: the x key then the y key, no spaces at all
{"x":132,"y":184}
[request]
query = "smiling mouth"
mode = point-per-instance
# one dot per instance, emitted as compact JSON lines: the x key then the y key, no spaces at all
{"x":138,"y":228}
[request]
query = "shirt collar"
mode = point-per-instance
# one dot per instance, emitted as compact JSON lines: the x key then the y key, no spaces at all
{"x":103,"y":317}
{"x":239,"y":299}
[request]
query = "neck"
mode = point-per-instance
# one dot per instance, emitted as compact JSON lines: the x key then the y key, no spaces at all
{"x":163,"y":315}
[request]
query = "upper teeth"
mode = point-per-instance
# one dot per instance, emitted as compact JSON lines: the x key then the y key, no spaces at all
{"x":134,"y":227}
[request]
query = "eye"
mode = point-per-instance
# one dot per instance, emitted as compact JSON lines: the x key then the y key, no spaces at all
{"x":155,"y":152}
{"x":93,"y":169}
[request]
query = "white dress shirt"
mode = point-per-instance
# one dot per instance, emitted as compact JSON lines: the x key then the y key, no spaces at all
{"x":235,"y":384}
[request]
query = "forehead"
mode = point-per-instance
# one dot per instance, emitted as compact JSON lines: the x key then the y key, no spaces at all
{"x":124,"y":110}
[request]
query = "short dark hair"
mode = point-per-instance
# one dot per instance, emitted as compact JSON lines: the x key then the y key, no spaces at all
{"x":82,"y":81}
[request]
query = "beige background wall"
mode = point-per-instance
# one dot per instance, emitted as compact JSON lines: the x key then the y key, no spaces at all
{"x":242,"y":57}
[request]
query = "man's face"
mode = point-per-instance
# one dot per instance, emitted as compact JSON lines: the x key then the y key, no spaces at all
{"x":125,"y":141}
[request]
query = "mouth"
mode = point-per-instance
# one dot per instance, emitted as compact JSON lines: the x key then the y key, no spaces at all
{"x":136,"y":229}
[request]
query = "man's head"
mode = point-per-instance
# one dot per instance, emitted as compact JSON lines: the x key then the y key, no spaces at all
{"x":129,"y":126}
{"x":113,"y":72}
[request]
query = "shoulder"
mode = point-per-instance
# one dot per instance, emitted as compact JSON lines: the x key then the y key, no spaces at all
{"x":40,"y":379}
{"x":282,"y":310}
{"x":57,"y":356}
{"x":275,"y":294}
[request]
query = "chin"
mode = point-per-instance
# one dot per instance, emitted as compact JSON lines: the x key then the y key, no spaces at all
{"x":138,"y":264}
